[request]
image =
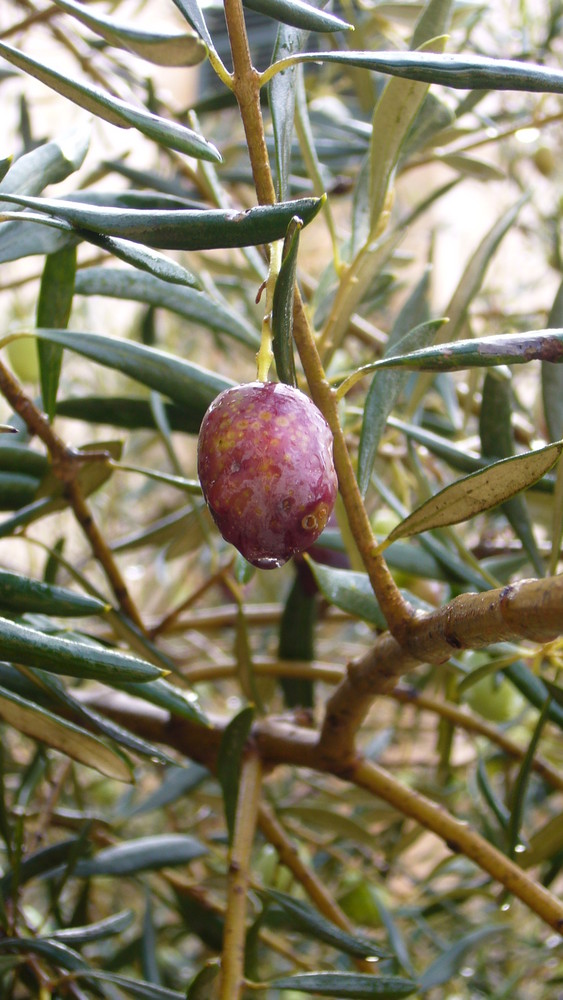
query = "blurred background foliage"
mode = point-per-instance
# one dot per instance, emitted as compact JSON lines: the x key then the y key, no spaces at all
{"x":114,"y":847}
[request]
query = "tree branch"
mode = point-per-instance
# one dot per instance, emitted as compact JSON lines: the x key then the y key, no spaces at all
{"x":66,"y":463}
{"x":460,"y":838}
{"x":280,"y":742}
{"x":234,"y":934}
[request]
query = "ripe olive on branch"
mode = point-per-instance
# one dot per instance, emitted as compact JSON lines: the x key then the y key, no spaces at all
{"x":266,"y":469}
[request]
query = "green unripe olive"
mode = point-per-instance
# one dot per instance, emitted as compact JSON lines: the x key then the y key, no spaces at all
{"x":360,"y":902}
{"x":495,"y":698}
{"x":544,"y":160}
{"x":23,"y":358}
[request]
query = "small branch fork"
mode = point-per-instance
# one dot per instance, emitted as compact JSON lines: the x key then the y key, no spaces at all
{"x":66,"y":464}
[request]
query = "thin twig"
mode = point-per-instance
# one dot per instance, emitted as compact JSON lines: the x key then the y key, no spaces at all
{"x":460,"y":838}
{"x":316,"y":890}
{"x":66,"y":463}
{"x":234,"y":934}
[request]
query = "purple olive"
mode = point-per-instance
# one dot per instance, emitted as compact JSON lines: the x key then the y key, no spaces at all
{"x":266,"y":469}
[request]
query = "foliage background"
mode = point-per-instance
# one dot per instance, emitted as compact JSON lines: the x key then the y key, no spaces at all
{"x":150,"y":919}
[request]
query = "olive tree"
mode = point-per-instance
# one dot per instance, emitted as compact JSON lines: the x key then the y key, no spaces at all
{"x":337,"y":776}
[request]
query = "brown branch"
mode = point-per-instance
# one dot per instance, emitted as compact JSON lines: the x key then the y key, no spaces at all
{"x":531,"y":610}
{"x":460,"y":717}
{"x":280,"y":742}
{"x":460,"y":838}
{"x":234,"y":934}
{"x":246,"y":87}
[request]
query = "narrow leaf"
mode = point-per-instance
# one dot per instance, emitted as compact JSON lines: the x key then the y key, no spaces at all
{"x":497,"y":441}
{"x":552,"y":377}
{"x":347,"y":984}
{"x":164,"y":372}
{"x":142,"y":854}
{"x":534,"y":690}
{"x":297,"y":640}
{"x":145,"y":259}
{"x":22,"y":594}
{"x":463,"y":72}
{"x":281,"y":98}
{"x":448,"y":964}
{"x":384,"y":390}
{"x":55,"y":952}
{"x":192,"y":11}
{"x":177,"y":783}
{"x":229,"y":761}
{"x":305,"y":919}
{"x":41,"y":724}
{"x":157,"y":47}
{"x":393,"y":116}
{"x":180,"y":229}
{"x":37,"y":863}
{"x":97,"y":722}
{"x":479,"y":491}
{"x":65,"y":656}
{"x":183,"y":704}
{"x":518,"y":802}
{"x":201,"y":987}
{"x":130,"y":412}
{"x":49,"y":163}
{"x":113,"y":109}
{"x":299,"y":14}
{"x":350,"y":591}
{"x":137,"y":988}
{"x":195,"y":306}
{"x":282,"y":306}
{"x":96,"y":931}
{"x":53,"y":309}
{"x":486,"y":352}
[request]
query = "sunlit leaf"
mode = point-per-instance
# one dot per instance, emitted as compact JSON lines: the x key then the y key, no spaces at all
{"x":299,"y":14}
{"x":65,"y":656}
{"x":21,"y":593}
{"x":479,"y":491}
{"x":392,"y":119}
{"x":41,"y":724}
{"x":281,"y":97}
{"x":192,"y":11}
{"x":180,"y":229}
{"x":157,"y":47}
{"x":195,"y":306}
{"x":463,"y":72}
{"x":47,"y":164}
{"x":113,"y":109}
{"x":484,"y":352}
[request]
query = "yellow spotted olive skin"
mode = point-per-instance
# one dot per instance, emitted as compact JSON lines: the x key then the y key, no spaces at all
{"x":266,"y":470}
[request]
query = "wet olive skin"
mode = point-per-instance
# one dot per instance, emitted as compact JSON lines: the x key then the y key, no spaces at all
{"x":266,"y":470}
